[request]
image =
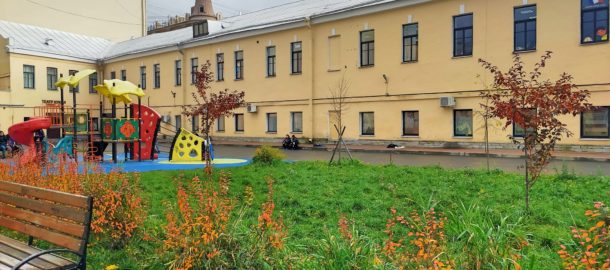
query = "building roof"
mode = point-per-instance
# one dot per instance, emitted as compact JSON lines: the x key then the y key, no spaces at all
{"x":41,"y":41}
{"x":32,"y":39}
{"x":290,"y":13}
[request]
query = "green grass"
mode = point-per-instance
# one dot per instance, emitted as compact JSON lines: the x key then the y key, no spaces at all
{"x":311,"y":196}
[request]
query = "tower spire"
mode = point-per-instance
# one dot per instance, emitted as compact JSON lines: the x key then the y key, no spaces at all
{"x":202,"y":10}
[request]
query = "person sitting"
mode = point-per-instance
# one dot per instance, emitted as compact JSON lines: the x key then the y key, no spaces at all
{"x":294,"y":143}
{"x":3,"y":144}
{"x":13,"y":146}
{"x":287,"y":142}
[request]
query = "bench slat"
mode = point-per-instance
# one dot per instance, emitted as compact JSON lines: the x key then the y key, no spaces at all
{"x":20,"y":255}
{"x":39,"y":233}
{"x":6,"y":259}
{"x":25,"y":249}
{"x":74,"y":214}
{"x":42,"y":220}
{"x":45,"y":194}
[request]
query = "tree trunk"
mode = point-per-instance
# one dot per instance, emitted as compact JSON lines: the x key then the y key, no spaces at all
{"x":527,"y":187}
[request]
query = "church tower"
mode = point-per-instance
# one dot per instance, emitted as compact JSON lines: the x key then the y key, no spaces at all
{"x":202,"y":10}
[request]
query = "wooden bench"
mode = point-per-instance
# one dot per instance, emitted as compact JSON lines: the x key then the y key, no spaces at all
{"x":58,"y":218}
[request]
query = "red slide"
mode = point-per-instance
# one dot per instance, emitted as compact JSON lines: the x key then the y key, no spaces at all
{"x":149,"y":130}
{"x":23,"y":133}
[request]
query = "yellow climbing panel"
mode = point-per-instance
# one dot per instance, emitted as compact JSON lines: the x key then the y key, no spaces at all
{"x":187,"y":147}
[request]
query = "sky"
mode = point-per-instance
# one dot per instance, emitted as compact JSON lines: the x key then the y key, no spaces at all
{"x":161,"y":9}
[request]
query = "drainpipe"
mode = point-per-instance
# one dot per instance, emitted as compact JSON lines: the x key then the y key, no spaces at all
{"x":312,"y":76}
{"x":184,"y":78}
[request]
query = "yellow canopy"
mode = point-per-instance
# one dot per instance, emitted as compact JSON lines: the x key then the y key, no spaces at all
{"x":74,"y":80}
{"x":119,"y":90}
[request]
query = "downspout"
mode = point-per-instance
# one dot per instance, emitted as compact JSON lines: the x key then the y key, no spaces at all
{"x":184,"y":83}
{"x":312,"y":78}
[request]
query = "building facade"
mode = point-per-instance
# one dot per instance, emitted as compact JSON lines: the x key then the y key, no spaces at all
{"x":411,"y":67}
{"x":113,"y":20}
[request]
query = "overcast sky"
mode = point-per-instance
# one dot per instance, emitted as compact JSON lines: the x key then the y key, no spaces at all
{"x":160,"y":9}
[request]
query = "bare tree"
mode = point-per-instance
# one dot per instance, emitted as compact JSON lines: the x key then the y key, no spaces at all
{"x":339,"y":95}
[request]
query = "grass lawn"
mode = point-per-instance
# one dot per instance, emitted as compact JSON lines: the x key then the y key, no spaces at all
{"x":311,"y":196}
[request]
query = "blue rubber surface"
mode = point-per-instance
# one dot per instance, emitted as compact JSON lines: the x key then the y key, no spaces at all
{"x":156,"y":165}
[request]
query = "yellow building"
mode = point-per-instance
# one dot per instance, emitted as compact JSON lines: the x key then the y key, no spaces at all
{"x":113,"y":20}
{"x":411,"y":66}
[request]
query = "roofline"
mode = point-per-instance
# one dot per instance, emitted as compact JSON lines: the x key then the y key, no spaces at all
{"x":239,"y":33}
{"x":51,"y":55}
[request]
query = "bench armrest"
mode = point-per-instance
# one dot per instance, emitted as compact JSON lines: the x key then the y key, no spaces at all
{"x":44,"y":252}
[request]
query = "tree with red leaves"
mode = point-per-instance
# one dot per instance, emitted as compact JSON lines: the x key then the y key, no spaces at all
{"x":535,"y":104}
{"x":211,"y":106}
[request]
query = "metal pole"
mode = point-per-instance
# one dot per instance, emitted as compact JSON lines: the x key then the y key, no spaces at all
{"x":75,"y":144}
{"x":114,"y":156}
{"x":140,"y":130}
{"x":126,"y":144}
{"x":62,"y":112}
{"x":89,"y":131}
{"x":101,"y":129}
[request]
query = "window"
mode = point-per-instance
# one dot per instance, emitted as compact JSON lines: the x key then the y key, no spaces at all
{"x":239,"y":65}
{"x":271,"y":61}
{"x":239,"y":122}
{"x":272,"y":122}
{"x":76,"y":89}
{"x":95,"y":123}
{"x":596,"y":123}
{"x":201,"y":9}
{"x":410,"y":123}
{"x":28,"y":77}
{"x":594,"y":21}
{"x":220,"y":124}
{"x":113,"y":75}
{"x":410,"y":42}
{"x":462,"y":123}
{"x":178,"y":122}
{"x":195,"y":123}
{"x":367,"y":123}
{"x":200,"y":29}
{"x":194,"y":69}
{"x":220,"y":66}
{"x":462,"y":35}
{"x":178,"y":72}
{"x":92,"y":83}
{"x":518,"y":130}
{"x":143,"y":77}
{"x":334,"y":49}
{"x":157,"y":81}
{"x":51,"y":78}
{"x":367,"y":48}
{"x":525,"y":28}
{"x":296,"y":51}
{"x":123,"y":75}
{"x":296,"y":122}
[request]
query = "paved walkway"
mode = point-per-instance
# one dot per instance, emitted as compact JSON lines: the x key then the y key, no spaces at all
{"x":497,"y":153}
{"x":507,"y":160}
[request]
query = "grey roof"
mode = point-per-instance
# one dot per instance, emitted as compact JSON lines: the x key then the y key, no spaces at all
{"x":279,"y":15}
{"x":32,"y":38}
{"x":45,"y":41}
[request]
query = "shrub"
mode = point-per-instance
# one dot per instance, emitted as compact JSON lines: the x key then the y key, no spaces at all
{"x":268,"y":155}
{"x":416,"y":242}
{"x":590,"y":248}
{"x":196,"y":227}
{"x":118,"y":209}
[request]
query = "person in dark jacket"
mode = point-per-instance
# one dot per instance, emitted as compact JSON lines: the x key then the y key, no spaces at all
{"x":287,"y":142}
{"x":3,"y":144}
{"x":295,"y":143}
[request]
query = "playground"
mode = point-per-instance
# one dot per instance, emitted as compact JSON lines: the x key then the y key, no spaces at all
{"x":95,"y":132}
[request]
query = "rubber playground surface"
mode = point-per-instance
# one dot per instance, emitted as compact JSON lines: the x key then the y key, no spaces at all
{"x":163,"y":164}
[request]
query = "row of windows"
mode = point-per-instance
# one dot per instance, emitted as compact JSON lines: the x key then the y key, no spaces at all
{"x":29,"y":78}
{"x":296,"y":122}
{"x":594,"y":124}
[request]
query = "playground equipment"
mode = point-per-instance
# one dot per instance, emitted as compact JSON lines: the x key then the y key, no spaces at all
{"x":138,"y":133}
{"x":188,"y":147}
